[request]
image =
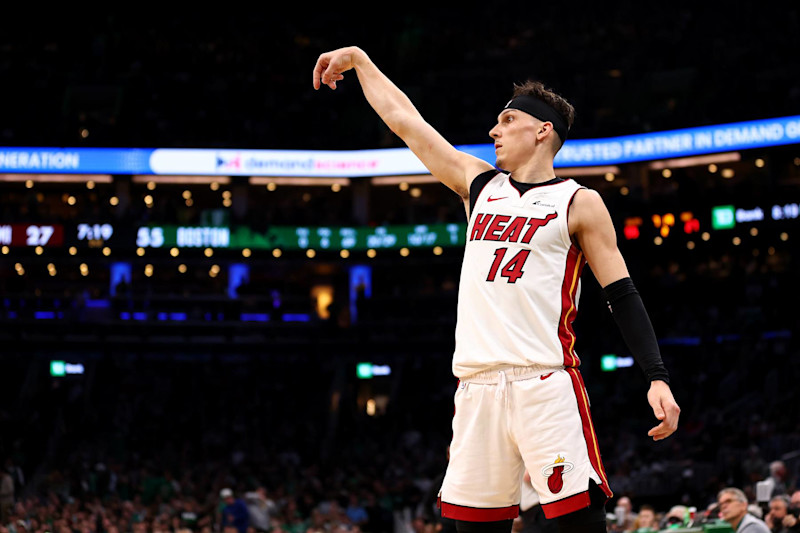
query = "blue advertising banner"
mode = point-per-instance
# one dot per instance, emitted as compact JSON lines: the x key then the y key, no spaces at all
{"x":387,"y":162}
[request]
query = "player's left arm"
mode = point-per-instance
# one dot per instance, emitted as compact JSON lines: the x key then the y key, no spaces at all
{"x":591,"y":226}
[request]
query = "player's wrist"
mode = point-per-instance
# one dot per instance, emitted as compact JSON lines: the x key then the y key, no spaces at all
{"x":357,"y":56}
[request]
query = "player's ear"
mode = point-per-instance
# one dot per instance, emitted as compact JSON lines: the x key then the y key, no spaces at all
{"x":544,"y":127}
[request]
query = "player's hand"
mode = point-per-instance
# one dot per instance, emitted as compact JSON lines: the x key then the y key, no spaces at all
{"x":665,"y":408}
{"x":331,"y":66}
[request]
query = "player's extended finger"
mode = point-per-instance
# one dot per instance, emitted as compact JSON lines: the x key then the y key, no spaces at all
{"x":333,"y":79}
{"x":319,"y":69}
{"x":331,"y":75}
{"x":664,"y":429}
{"x":659,"y":432}
{"x":316,"y":81}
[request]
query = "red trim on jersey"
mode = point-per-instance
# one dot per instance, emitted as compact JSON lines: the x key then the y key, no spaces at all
{"x":569,"y":305}
{"x":567,"y":505}
{"x":478,"y":514}
{"x":588,"y":429}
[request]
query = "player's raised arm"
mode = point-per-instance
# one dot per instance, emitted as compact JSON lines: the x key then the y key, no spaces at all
{"x":450,"y":166}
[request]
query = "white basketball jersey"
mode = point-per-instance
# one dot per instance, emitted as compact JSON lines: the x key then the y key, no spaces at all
{"x":520,"y":279}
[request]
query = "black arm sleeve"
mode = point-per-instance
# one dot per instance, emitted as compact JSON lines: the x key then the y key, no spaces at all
{"x":628,"y":310}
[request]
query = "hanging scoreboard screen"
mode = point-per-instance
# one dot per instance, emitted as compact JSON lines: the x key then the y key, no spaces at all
{"x":80,"y":235}
{"x":301,"y":238}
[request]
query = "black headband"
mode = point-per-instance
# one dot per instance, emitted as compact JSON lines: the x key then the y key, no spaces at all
{"x":541,"y":110}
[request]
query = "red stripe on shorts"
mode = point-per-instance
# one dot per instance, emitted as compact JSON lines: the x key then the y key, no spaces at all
{"x":588,"y":428}
{"x":479,"y":514}
{"x":567,"y":505}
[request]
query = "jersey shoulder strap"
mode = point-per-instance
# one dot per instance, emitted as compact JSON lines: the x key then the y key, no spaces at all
{"x":477,"y":185}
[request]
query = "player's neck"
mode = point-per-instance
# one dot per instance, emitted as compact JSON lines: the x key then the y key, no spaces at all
{"x":534,"y":173}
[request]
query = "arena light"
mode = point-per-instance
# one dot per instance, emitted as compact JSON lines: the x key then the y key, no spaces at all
{"x":694,"y":161}
{"x":299,"y":181}
{"x":631,"y":230}
{"x":370,"y":370}
{"x":611,"y":362}
{"x":60,"y":369}
{"x":56,"y":178}
{"x":397,"y":180}
{"x":187,"y":180}
{"x":587,"y":171}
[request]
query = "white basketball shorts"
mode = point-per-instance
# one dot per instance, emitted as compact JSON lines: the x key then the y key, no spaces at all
{"x":516,"y":418}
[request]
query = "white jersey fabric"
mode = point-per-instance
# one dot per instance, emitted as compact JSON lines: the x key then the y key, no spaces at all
{"x":520,"y":280}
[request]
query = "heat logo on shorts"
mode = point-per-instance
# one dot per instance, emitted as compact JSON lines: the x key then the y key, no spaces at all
{"x":555,"y":473}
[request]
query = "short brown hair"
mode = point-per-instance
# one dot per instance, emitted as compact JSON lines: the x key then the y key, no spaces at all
{"x":538,"y":90}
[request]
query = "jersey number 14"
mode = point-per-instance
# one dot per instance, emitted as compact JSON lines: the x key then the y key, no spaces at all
{"x":512,"y":269}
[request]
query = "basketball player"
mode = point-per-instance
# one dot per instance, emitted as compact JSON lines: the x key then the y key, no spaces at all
{"x":521,"y":402}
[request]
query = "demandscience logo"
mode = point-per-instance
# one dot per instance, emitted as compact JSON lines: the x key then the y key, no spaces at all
{"x":292,"y":164}
{"x":39,"y":160}
{"x":255,"y":164}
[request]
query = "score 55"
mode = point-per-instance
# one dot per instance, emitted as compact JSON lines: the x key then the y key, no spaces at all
{"x":150,"y":237}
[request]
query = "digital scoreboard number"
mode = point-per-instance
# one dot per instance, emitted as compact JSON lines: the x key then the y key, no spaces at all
{"x":93,"y":235}
{"x":31,"y":235}
{"x":95,"y":232}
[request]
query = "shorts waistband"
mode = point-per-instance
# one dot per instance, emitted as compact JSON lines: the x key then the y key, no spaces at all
{"x":511,"y":373}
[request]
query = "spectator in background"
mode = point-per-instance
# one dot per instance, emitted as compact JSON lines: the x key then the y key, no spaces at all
{"x":675,"y":517}
{"x":792,"y":519}
{"x":234,"y":513}
{"x":624,"y":514}
{"x":733,"y":510}
{"x":429,"y":507}
{"x":355,"y":511}
{"x":778,"y":509}
{"x":777,"y":478}
{"x":645,"y":519}
{"x":6,"y":496}
{"x":260,"y":508}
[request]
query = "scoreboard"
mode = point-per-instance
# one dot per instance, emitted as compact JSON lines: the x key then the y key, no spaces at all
{"x":83,"y":235}
{"x":96,"y":235}
{"x":303,"y":237}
